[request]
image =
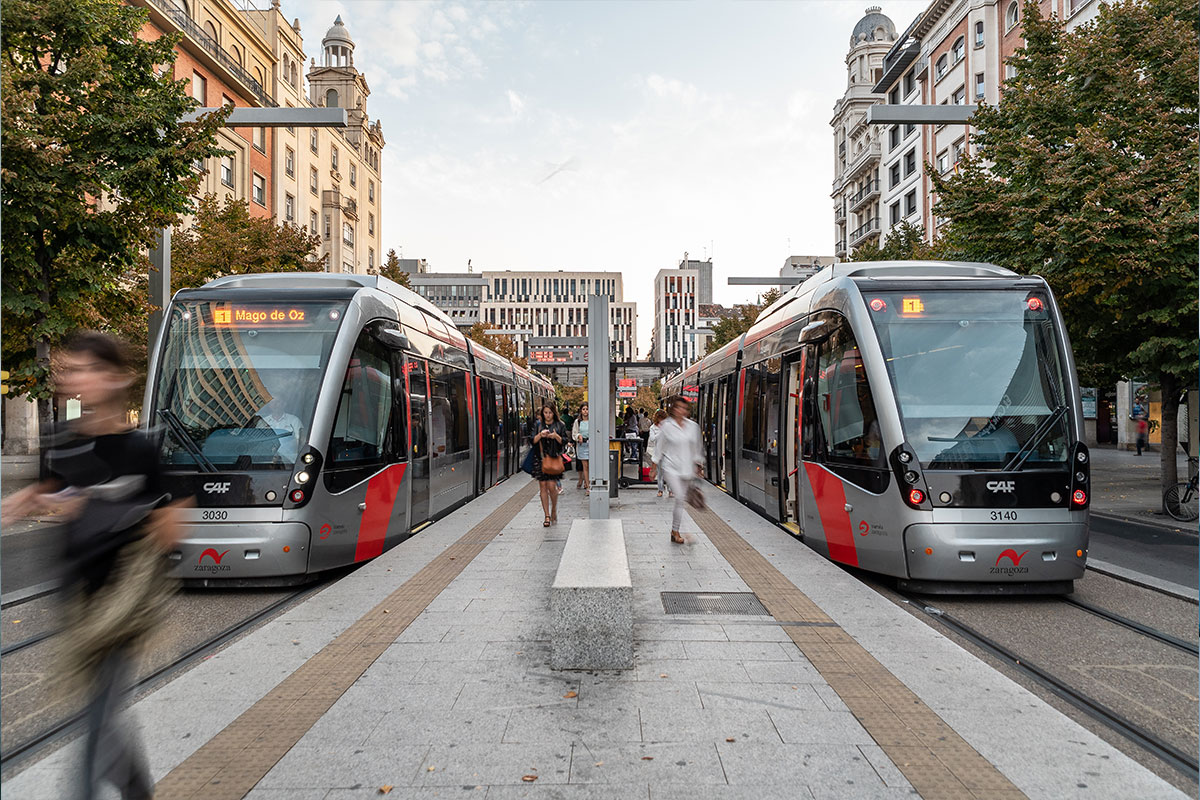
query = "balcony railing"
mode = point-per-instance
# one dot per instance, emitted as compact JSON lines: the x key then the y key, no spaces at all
{"x":197,"y":34}
{"x":865,"y":156}
{"x":839,"y":249}
{"x":863,"y":231}
{"x":868,"y":192}
{"x":839,"y":213}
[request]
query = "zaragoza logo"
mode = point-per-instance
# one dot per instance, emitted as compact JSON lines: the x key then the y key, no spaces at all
{"x":1016,"y":567}
{"x":216,"y":566}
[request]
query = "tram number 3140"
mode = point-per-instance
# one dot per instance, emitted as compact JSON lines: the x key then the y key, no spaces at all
{"x":1007,"y":516}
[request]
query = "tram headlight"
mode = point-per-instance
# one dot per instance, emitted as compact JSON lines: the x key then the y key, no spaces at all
{"x":297,"y":495}
{"x":302,"y":477}
{"x":1079,"y":497}
{"x":1035,"y":303}
{"x":308,"y":458}
{"x":916,"y":497}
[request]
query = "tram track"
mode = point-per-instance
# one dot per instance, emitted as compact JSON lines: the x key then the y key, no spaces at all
{"x":1179,"y":759}
{"x":1133,"y":625}
{"x":65,"y":727}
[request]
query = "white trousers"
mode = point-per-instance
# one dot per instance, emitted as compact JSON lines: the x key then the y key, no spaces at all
{"x":679,"y":485}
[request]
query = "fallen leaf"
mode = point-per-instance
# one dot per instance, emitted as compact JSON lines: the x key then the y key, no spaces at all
{"x":730,"y":739}
{"x":385,"y":789}
{"x":452,"y":558}
{"x":430,"y":769}
{"x":599,"y":763}
{"x":386,"y":611}
{"x":662,"y":674}
{"x":793,"y":687}
{"x":647,"y":758}
{"x":529,"y":778}
{"x":569,"y":695}
{"x":16,"y":621}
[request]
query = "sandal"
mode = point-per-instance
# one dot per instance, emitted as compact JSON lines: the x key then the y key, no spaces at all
{"x":677,"y":538}
{"x":660,"y":494}
{"x":546,"y":524}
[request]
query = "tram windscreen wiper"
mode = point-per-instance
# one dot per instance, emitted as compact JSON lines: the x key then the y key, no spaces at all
{"x":1031,"y":444}
{"x":181,"y":435}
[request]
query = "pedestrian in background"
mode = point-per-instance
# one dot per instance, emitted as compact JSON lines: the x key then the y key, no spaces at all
{"x":580,"y":433}
{"x":549,"y":435}
{"x":680,"y":454}
{"x":1141,"y":420}
{"x":644,"y":427}
{"x":652,"y":447}
{"x":104,"y":478}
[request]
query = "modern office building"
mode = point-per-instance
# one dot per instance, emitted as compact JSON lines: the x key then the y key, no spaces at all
{"x":678,"y":295}
{"x":459,"y":294}
{"x":856,"y":144}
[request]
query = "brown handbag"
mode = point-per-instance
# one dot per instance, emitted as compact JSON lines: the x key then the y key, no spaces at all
{"x":552,"y":466}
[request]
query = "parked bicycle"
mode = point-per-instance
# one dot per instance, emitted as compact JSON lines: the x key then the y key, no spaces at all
{"x":1182,"y":501}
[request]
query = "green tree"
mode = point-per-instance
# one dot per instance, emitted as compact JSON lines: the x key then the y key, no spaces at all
{"x":905,"y":243}
{"x":1085,"y":173}
{"x":729,"y":328}
{"x":226,"y":240}
{"x":390,"y":269}
{"x":501,"y":344}
{"x":95,"y":162}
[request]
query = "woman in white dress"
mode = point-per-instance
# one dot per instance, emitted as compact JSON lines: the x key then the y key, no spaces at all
{"x":579,"y":435}
{"x":679,"y":453}
{"x":652,"y":446}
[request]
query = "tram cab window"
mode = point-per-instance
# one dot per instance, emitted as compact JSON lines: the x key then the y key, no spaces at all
{"x":451,"y":430}
{"x":362,"y":429}
{"x":848,"y":432}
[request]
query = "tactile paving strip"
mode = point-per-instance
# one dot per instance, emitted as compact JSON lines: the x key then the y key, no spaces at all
{"x":230,"y":764}
{"x":712,"y":603}
{"x":932,"y":756}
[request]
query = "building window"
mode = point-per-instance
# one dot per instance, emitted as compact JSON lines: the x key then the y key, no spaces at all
{"x":260,"y":139}
{"x":312,"y":141}
{"x":227,"y":171}
{"x":312,"y":222}
{"x":371,"y":191}
{"x":289,"y":162}
{"x":1013,"y":15}
{"x":943,"y":162}
{"x":260,"y":189}
{"x":331,"y":98}
{"x":313,"y":178}
{"x":979,"y":86}
{"x":894,"y":96}
{"x":979,"y":34}
{"x":199,"y":88}
{"x":894,"y":137}
{"x":958,"y":51}
{"x":333,"y":156}
{"x":328,"y":228}
{"x":347,"y":233}
{"x":289,"y":208}
{"x":1010,"y":72}
{"x":226,"y":100}
{"x":908,"y":129}
{"x":290,"y":129}
{"x":959,"y":96}
{"x":940,"y":69}
{"x":910,"y":203}
{"x":957,"y":150}
{"x":894,"y":175}
{"x":910,"y":162}
{"x":370,"y":257}
{"x":370,"y":224}
{"x":894,"y":214}
{"x":353,"y":174}
{"x":910,"y":83}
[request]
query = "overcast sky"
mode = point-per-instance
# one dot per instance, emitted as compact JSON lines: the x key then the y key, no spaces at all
{"x":604,"y":135}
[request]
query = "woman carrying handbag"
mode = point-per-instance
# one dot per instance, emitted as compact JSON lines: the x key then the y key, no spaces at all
{"x":679,"y":453}
{"x":549,"y":435}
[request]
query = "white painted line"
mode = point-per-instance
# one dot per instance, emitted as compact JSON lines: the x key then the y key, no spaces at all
{"x":1141,"y":578}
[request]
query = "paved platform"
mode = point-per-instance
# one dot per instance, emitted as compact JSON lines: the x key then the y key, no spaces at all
{"x":426,"y":674}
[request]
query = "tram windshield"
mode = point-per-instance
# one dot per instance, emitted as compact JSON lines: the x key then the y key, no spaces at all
{"x":238,"y":382}
{"x":978,"y":376}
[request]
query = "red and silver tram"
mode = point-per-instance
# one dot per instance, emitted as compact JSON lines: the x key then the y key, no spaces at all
{"x":320,"y":419}
{"x":914,"y":419}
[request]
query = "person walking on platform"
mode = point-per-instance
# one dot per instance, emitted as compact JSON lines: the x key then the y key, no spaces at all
{"x":105,"y":480}
{"x":652,"y":448}
{"x":1141,"y":420}
{"x":679,"y":453}
{"x":549,"y":435}
{"x":644,"y":423}
{"x":579,"y":434}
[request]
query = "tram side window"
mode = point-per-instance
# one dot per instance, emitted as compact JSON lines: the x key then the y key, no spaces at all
{"x":849,"y":431}
{"x":751,"y":439}
{"x":361,"y":430}
{"x":451,"y":427}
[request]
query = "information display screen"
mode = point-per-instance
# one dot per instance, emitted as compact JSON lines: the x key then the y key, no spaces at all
{"x":259,"y":315}
{"x":557,"y":356}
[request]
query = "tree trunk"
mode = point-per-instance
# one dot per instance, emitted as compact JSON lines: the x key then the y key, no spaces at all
{"x":1169,"y":388}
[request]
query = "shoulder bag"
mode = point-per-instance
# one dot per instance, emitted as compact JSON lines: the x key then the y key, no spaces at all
{"x":552,"y":466}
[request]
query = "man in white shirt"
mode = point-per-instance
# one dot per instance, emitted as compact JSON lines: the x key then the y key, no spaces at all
{"x":287,"y":425}
{"x":679,"y":452}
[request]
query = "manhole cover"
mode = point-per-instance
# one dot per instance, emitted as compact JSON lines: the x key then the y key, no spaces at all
{"x":712,"y":603}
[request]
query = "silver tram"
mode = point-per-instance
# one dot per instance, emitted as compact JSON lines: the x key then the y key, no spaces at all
{"x":915,"y":419}
{"x":319,"y":420}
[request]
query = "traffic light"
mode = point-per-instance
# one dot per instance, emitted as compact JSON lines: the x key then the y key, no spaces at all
{"x":3,"y":381}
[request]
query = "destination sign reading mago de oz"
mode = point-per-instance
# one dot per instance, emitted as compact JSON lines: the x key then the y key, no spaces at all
{"x":260,"y":315}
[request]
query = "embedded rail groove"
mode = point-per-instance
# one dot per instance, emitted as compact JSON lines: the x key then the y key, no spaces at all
{"x":1133,"y":625}
{"x":67,"y":726}
{"x":1175,"y":757}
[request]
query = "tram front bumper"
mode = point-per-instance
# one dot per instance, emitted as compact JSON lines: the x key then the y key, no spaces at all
{"x":239,"y":551}
{"x":999,"y":553}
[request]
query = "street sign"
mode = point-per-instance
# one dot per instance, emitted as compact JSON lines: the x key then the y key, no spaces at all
{"x":627,"y":388}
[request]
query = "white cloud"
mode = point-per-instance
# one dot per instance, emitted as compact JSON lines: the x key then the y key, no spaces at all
{"x":515,"y":103}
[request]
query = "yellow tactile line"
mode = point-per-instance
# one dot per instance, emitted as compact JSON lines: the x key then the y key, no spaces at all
{"x":232,"y":763}
{"x":931,"y":755}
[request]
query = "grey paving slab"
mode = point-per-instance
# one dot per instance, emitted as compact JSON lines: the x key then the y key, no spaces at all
{"x":311,"y":766}
{"x":687,"y":791}
{"x":754,"y":632}
{"x":783,"y":672}
{"x":573,"y":724}
{"x":888,"y":772}
{"x":569,"y":792}
{"x":692,"y":669}
{"x":640,"y":694}
{"x":451,"y":765}
{"x":418,"y":726}
{"x":478,"y":695}
{"x":289,"y":794}
{"x":741,"y":651}
{"x":840,"y":767}
{"x":667,"y":631}
{"x":815,"y":726}
{"x":698,"y":725}
{"x":697,"y":764}
{"x":768,"y":695}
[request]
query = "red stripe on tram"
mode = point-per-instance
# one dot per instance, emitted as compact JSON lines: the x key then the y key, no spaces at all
{"x":830,"y":495}
{"x":741,"y":390}
{"x":381,"y":499}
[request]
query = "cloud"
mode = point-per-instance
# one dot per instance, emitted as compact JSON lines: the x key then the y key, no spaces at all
{"x":515,"y":104}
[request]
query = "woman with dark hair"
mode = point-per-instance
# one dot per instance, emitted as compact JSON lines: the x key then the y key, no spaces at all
{"x":549,"y":435}
{"x":104,"y":478}
{"x":680,"y":454}
{"x":580,"y":433}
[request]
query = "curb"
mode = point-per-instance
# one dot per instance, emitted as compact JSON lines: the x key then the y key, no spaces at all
{"x":1174,"y":526}
{"x":1142,"y":579}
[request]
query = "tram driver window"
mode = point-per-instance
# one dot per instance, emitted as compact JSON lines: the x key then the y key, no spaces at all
{"x":849,"y":430}
{"x":362,"y":426}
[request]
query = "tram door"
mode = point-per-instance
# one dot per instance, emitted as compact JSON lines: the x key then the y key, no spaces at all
{"x":418,"y":399}
{"x":725,"y":413}
{"x":794,"y":387}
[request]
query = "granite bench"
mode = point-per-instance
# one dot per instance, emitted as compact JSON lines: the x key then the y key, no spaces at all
{"x":591,"y":600}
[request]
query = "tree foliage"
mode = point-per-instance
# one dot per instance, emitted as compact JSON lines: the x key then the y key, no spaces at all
{"x":729,"y":328}
{"x":95,"y":162}
{"x":905,"y":243}
{"x":502,"y":344}
{"x":1085,"y":173}
{"x":227,"y":240}
{"x":390,"y":269}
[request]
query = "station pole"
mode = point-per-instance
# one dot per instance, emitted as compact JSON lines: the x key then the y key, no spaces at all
{"x":599,"y":413}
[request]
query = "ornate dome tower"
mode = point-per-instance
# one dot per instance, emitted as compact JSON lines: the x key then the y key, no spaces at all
{"x":339,"y":47}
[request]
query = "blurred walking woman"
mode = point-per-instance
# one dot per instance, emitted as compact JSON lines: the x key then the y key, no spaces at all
{"x":579,"y":434}
{"x":680,"y":455}
{"x":549,"y":436}
{"x":652,"y":448}
{"x":104,"y":479}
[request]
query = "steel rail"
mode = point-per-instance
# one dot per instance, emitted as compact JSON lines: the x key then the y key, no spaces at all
{"x":1153,"y":633}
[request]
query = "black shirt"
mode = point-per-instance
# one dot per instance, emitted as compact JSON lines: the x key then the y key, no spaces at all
{"x":548,"y":446}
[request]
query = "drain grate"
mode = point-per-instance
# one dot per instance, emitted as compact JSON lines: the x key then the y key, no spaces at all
{"x":712,"y":603}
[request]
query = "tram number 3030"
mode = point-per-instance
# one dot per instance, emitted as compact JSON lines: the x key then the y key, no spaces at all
{"x":214,"y":515}
{"x":1007,"y":516}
